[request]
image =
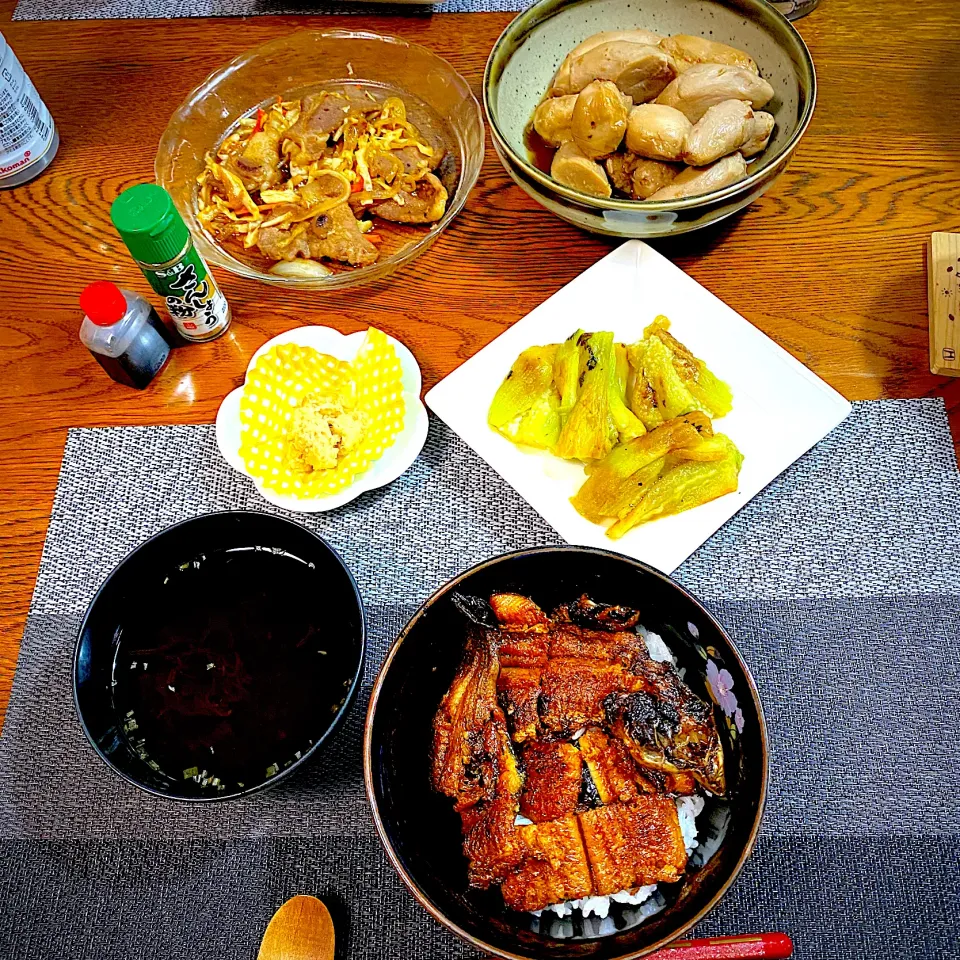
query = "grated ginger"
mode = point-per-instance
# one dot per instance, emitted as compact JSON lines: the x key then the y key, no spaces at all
{"x":322,"y":430}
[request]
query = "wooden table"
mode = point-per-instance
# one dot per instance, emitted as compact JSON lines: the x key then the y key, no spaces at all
{"x":830,"y":262}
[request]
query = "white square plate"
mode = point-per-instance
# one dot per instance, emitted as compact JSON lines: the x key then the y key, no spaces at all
{"x":780,"y":409}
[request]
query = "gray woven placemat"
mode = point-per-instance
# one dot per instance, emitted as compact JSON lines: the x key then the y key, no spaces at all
{"x":840,"y":583}
{"x":168,"y":9}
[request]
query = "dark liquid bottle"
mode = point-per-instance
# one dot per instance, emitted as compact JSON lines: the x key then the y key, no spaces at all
{"x":124,"y":333}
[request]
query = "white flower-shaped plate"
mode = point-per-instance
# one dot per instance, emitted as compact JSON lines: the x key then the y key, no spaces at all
{"x":395,"y":460}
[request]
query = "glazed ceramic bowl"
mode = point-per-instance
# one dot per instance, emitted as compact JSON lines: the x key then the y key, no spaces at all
{"x":419,"y":828}
{"x":529,"y":51}
{"x":207,"y":657}
{"x":293,"y":66}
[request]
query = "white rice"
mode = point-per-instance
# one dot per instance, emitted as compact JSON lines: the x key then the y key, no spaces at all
{"x":688,"y":809}
{"x":657,"y":649}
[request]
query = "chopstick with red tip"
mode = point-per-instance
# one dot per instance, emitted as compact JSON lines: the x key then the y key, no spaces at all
{"x":748,"y":947}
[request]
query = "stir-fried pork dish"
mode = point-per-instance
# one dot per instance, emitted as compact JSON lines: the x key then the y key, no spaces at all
{"x":302,"y":181}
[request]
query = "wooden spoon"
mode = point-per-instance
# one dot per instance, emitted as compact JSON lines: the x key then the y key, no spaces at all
{"x":301,"y":929}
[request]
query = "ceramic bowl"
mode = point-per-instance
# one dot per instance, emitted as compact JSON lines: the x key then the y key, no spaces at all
{"x":529,"y":51}
{"x":156,"y":592}
{"x":396,"y":459}
{"x":295,"y":65}
{"x":419,"y":828}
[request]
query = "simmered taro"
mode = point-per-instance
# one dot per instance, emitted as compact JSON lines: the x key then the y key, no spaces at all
{"x":632,"y":114}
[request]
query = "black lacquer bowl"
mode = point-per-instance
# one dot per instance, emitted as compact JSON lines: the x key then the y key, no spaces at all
{"x":421,"y":831}
{"x":219,"y":656}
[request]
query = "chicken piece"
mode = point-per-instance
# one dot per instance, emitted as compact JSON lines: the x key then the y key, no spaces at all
{"x":687,"y":51}
{"x":599,"y":119}
{"x":657,"y":131}
{"x":638,"y":177}
{"x":561,"y":80}
{"x":552,"y":119}
{"x":697,"y":180}
{"x":665,"y":725}
{"x":336,"y":235}
{"x":723,"y":129}
{"x":704,"y":85}
{"x":572,"y":693}
{"x":633,"y":844}
{"x":519,"y":690}
{"x":612,"y":770}
{"x":553,"y":776}
{"x":425,"y":204}
{"x":555,"y":868}
{"x":763,"y":124}
{"x":572,"y":168}
{"x":641,"y":71}
{"x":515,"y":611}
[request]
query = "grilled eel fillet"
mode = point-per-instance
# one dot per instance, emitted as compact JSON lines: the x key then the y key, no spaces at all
{"x":553,"y":778}
{"x":553,"y":675}
{"x":473,"y":762}
{"x":633,"y":844}
{"x":519,"y":692}
{"x":665,"y":726}
{"x":555,"y":868}
{"x":616,"y":776}
{"x":596,"y":671}
{"x":617,"y":847}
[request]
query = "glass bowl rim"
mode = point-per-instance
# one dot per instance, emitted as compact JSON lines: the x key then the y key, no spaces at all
{"x":220,"y":257}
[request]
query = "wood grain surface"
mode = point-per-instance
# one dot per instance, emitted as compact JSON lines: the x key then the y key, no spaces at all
{"x":830,"y":262}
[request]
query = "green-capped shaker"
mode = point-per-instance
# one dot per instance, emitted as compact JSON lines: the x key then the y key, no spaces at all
{"x":158,"y":239}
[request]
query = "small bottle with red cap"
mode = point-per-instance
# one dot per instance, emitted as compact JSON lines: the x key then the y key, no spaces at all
{"x":124,"y":333}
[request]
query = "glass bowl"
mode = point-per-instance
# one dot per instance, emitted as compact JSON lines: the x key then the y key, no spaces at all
{"x":293,"y":65}
{"x":523,"y":62}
